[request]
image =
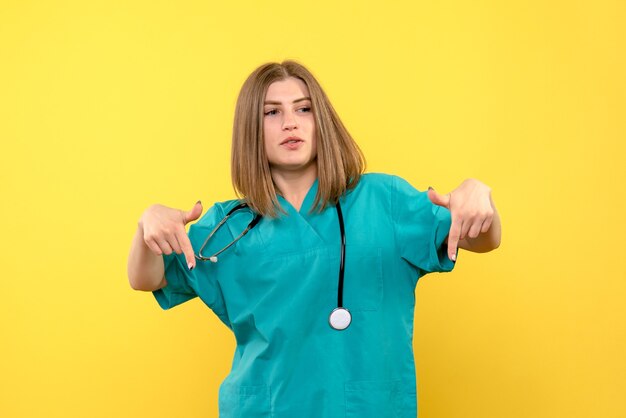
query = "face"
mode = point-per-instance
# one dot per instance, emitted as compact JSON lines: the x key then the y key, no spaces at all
{"x":289,"y":127}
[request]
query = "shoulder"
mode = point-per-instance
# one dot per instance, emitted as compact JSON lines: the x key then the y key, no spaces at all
{"x":376,"y":178}
{"x":377,"y":190}
{"x":402,"y":194}
{"x":371,"y":186}
{"x":386,"y":182}
{"x":374,"y":181}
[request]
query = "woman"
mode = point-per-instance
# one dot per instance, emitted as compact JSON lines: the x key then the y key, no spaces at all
{"x":313,"y":339}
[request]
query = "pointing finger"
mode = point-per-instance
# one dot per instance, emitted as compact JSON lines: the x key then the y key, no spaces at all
{"x":187,"y":249}
{"x":453,"y":238}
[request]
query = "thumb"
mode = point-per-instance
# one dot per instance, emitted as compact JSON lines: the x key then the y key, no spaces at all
{"x":194,"y":213}
{"x":438,"y":199}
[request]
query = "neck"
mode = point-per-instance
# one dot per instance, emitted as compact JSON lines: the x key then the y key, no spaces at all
{"x":294,"y":185}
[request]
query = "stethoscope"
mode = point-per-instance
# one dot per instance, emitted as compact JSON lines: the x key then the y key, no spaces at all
{"x":340,"y":318}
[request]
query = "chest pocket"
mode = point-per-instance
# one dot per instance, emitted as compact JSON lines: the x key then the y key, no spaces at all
{"x":363,"y":279}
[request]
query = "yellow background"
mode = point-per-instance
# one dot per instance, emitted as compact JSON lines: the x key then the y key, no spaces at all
{"x":109,"y":106}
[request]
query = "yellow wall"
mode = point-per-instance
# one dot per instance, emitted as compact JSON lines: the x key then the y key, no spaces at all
{"x":109,"y":106}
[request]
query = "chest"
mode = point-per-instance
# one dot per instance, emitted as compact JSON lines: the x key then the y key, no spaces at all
{"x":291,"y":263}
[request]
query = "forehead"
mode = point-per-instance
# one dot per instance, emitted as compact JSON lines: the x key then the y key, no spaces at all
{"x":287,"y":90}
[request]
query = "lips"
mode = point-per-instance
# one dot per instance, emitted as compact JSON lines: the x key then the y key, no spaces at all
{"x":291,"y":140}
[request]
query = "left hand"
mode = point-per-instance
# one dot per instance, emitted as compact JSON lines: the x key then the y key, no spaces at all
{"x":471,"y":208}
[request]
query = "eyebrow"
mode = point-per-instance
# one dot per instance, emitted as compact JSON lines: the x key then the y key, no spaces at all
{"x":269,"y":102}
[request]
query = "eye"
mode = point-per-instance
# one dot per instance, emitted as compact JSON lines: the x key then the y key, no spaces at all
{"x":304,"y":109}
{"x":271,"y":112}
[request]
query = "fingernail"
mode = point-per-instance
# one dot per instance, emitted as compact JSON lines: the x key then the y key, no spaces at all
{"x":453,"y":258}
{"x":430,"y":188}
{"x":190,"y":266}
{"x":198,"y":202}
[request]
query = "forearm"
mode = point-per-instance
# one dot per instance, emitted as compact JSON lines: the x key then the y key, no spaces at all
{"x":145,"y":268}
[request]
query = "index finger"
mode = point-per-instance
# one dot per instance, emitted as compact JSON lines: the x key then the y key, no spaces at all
{"x":185,"y":246}
{"x":453,"y":238}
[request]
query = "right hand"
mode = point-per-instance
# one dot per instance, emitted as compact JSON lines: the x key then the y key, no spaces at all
{"x":164,"y":230}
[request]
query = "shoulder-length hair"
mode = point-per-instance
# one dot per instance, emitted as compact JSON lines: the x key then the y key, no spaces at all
{"x":340,"y":162}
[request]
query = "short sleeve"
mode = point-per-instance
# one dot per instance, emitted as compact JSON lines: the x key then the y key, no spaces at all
{"x":178,"y":289}
{"x":183,"y":284}
{"x":421,"y":228}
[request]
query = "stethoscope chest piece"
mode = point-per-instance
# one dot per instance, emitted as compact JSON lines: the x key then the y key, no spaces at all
{"x":340,"y":319}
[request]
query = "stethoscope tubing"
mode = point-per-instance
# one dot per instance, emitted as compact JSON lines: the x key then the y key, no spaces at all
{"x":343,"y":256}
{"x":340,"y":318}
{"x":252,"y":224}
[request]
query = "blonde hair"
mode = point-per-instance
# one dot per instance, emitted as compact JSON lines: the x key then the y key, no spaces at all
{"x":340,"y":162}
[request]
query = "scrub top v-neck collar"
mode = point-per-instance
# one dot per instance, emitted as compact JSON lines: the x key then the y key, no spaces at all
{"x":307,"y":203}
{"x":303,"y":217}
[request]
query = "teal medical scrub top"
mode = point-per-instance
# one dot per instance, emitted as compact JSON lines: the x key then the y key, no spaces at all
{"x":276,"y":287}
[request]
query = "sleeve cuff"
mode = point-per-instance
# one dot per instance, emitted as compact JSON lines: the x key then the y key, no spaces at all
{"x":177,"y":290}
{"x":439,"y":260}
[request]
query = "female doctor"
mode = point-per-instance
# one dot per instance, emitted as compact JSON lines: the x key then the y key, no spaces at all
{"x":318,"y":287}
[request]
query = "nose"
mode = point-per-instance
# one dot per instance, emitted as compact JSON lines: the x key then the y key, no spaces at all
{"x":289,"y":121}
